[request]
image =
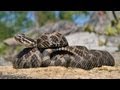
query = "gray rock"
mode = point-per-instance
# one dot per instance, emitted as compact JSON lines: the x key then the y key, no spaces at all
{"x":65,"y":27}
{"x":90,"y":40}
{"x":3,"y":62}
{"x":83,"y":38}
{"x":114,"y":41}
{"x":102,"y":40}
{"x":99,"y":21}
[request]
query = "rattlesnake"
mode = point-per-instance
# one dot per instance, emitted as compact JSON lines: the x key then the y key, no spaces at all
{"x":46,"y":40}
{"x":53,"y":50}
{"x":79,"y":56}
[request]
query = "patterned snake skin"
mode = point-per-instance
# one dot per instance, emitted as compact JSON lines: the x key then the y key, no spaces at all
{"x":28,"y":58}
{"x":53,"y":40}
{"x":53,"y":50}
{"x":32,"y":53}
{"x":79,"y":56}
{"x":46,"y":40}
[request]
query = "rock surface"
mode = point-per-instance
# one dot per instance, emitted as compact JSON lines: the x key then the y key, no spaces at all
{"x":91,"y":41}
{"x":3,"y":62}
{"x":10,"y":42}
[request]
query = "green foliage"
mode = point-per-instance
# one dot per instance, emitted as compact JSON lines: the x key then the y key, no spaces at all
{"x":12,"y":22}
{"x":118,"y":28}
{"x":3,"y":48}
{"x":21,"y":20}
{"x":45,"y":16}
{"x":67,"y":15}
{"x":49,"y":16}
{"x":89,"y":28}
{"x":110,"y":31}
{"x":5,"y":32}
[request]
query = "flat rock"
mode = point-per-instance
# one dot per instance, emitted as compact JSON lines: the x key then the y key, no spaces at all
{"x":90,"y":40}
{"x":4,"y":62}
{"x":10,"y":42}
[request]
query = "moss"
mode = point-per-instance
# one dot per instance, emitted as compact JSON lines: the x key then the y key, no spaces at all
{"x":118,"y":28}
{"x":89,"y":28}
{"x":110,"y":31}
{"x":113,"y":29}
{"x":3,"y":48}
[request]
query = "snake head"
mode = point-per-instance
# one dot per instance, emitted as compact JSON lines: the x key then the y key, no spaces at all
{"x":24,"y":40}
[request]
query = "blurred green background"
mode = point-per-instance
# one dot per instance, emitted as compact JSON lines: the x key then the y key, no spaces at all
{"x":12,"y":22}
{"x":103,"y":24}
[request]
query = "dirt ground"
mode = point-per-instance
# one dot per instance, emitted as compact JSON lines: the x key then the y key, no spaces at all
{"x":52,"y":72}
{"x":59,"y":72}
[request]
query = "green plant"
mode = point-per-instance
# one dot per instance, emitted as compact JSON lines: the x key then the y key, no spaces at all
{"x":89,"y":28}
{"x":111,"y":31}
{"x":3,"y":48}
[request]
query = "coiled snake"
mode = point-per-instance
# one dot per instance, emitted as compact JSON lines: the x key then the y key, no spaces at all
{"x":52,"y":49}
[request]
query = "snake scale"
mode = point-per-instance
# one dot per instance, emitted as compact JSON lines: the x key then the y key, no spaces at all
{"x":52,"y":49}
